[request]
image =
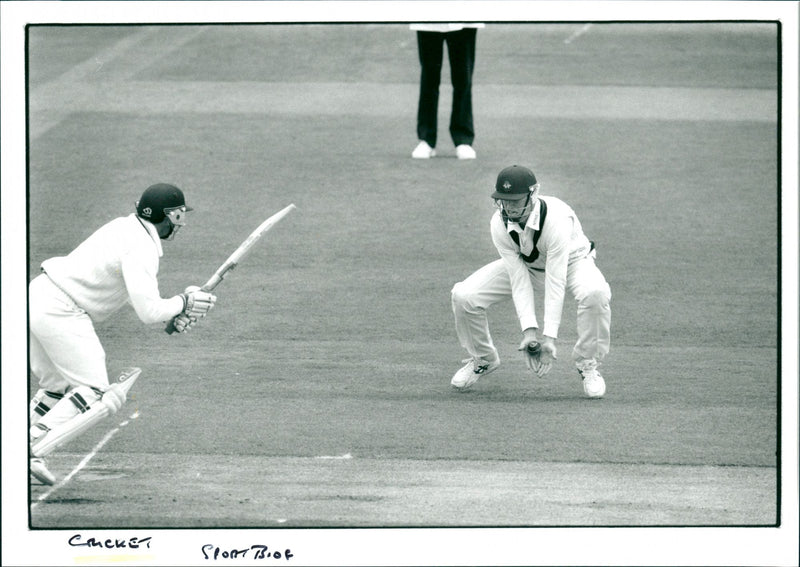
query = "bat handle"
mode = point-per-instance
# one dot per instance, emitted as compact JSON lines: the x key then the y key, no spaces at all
{"x":170,"y":328}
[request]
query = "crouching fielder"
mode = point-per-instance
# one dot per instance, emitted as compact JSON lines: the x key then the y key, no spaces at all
{"x":542,"y":246}
{"x":118,"y":264}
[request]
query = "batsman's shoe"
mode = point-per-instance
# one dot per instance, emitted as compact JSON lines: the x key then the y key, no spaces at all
{"x":40,"y":472}
{"x":465,"y":151}
{"x":423,"y":151}
{"x":593,"y":384}
{"x":471,"y":371}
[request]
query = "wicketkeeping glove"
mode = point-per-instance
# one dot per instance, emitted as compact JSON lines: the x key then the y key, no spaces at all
{"x":196,"y":302}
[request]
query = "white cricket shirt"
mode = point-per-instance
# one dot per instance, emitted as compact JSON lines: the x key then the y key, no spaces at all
{"x":561,"y":241}
{"x":117,"y":264}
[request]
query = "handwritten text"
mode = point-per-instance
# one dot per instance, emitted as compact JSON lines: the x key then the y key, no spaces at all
{"x":111,"y":543}
{"x":254,"y":551}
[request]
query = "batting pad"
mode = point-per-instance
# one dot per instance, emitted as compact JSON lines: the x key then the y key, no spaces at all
{"x":111,"y":401}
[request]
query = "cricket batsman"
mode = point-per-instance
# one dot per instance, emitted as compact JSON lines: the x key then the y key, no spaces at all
{"x":118,"y":264}
{"x":542,"y":246}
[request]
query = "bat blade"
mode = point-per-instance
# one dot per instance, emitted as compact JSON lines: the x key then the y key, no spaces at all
{"x":245,"y":247}
{"x":239,"y":254}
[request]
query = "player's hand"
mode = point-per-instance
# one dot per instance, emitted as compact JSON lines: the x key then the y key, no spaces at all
{"x":183,"y":323}
{"x":547,"y":356}
{"x":531,"y":348}
{"x":196,"y":302}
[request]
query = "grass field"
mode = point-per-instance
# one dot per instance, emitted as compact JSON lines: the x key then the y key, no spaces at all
{"x":317,"y":393}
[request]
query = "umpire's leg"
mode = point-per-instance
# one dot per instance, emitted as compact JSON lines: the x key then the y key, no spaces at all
{"x":430,"y":46}
{"x":461,"y":54}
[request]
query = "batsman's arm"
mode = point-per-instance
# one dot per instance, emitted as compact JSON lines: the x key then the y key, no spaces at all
{"x":139,"y":273}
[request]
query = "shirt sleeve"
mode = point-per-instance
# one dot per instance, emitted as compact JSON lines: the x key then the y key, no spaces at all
{"x":140,"y":271}
{"x":521,"y":285}
{"x":555,"y":240}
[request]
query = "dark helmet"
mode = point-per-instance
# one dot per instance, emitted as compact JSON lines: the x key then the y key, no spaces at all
{"x":514,"y":182}
{"x":157,"y":200}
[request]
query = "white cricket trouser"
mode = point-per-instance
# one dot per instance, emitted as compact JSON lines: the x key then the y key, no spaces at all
{"x":65,"y":351}
{"x":491,"y":284}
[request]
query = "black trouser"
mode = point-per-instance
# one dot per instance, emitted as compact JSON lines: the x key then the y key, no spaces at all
{"x":461,"y":53}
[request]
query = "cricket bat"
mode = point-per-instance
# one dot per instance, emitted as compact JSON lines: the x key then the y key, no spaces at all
{"x":239,"y":254}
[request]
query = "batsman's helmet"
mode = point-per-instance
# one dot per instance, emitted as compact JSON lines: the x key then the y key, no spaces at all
{"x":158,"y":200}
{"x":514,"y":182}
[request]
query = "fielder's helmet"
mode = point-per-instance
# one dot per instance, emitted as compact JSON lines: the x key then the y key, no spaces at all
{"x":157,"y":200}
{"x":514,"y":182}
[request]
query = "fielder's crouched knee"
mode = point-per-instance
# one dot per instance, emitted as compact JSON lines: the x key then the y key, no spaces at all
{"x":460,"y":297}
{"x":597,"y":300}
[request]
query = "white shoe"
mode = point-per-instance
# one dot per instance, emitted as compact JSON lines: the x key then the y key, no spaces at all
{"x":471,"y":371}
{"x":465,"y":151}
{"x":40,"y":472}
{"x":593,"y":384}
{"x":423,"y":151}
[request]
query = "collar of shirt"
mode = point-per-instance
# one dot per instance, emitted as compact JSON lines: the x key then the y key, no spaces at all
{"x":151,"y":230}
{"x":533,"y":220}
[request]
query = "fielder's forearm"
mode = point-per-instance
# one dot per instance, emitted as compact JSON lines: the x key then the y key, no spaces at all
{"x":555,"y":283}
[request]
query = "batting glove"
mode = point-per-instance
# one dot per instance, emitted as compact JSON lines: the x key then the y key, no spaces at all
{"x":196,"y":302}
{"x":183,"y":323}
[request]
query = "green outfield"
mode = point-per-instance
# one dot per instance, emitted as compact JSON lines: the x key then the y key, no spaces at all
{"x":316,"y":393}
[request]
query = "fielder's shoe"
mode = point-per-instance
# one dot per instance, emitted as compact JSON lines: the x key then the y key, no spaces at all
{"x":40,"y":472}
{"x":593,"y":384}
{"x":465,"y":151}
{"x":423,"y":151}
{"x":471,"y":371}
